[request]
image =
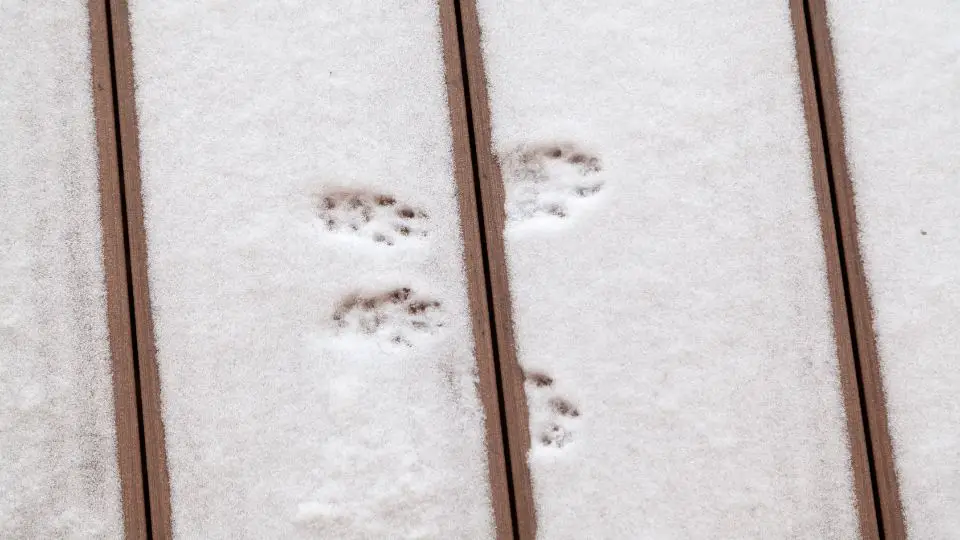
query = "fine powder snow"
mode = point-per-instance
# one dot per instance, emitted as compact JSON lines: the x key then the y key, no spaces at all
{"x":58,"y":461}
{"x":667,"y":271}
{"x":899,"y":81}
{"x":306,"y":274}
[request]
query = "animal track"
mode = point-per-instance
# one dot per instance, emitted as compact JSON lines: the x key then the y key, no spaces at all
{"x":540,"y":380}
{"x":557,"y":429}
{"x":554,"y":436}
{"x":397,"y":316}
{"x":563,"y":407}
{"x":549,"y":180}
{"x":379,"y":217}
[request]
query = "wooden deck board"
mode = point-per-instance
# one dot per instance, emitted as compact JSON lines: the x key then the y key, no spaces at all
{"x":850,"y":384}
{"x":476,"y":278}
{"x":494,"y":217}
{"x":891,"y":514}
{"x":135,"y":517}
{"x":159,"y":491}
{"x":157,"y":479}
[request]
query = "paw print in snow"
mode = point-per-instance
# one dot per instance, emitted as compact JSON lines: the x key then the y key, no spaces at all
{"x":555,"y":436}
{"x":549,"y":180}
{"x":375,"y":216}
{"x":398,"y":316}
{"x":557,"y":429}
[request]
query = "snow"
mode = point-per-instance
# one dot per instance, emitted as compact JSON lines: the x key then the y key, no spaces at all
{"x":667,"y":271}
{"x":899,"y":80}
{"x":306,"y":274}
{"x":58,"y":463}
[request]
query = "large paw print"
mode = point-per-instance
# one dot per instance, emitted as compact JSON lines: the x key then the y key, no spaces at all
{"x":557,"y":429}
{"x":377,"y":217}
{"x":398,"y":316}
{"x":549,"y":180}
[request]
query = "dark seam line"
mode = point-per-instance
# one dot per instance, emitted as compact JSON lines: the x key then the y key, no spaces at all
{"x":844,"y":271}
{"x":474,"y":161}
{"x":129,"y":270}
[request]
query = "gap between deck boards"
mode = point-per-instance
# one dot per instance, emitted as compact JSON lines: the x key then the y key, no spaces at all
{"x":490,"y":198}
{"x":152,"y":452}
{"x":116,"y":261}
{"x":477,"y":265}
{"x":889,"y":515}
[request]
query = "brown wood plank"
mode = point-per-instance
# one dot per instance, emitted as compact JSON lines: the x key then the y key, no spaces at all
{"x":157,"y":480}
{"x":115,"y":269}
{"x":476,"y":278}
{"x":888,"y":493}
{"x":860,"y":460}
{"x":493,"y":214}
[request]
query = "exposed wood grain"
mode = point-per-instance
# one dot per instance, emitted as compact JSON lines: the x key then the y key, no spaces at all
{"x":476,"y":279}
{"x":156,"y":460}
{"x":859,"y":457}
{"x":493,"y":214}
{"x":888,"y":491}
{"x":860,"y":462}
{"x":115,"y":269}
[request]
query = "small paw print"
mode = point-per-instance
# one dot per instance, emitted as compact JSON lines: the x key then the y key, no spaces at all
{"x":398,"y":316}
{"x":378,"y":217}
{"x":549,"y":180}
{"x":557,"y":429}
